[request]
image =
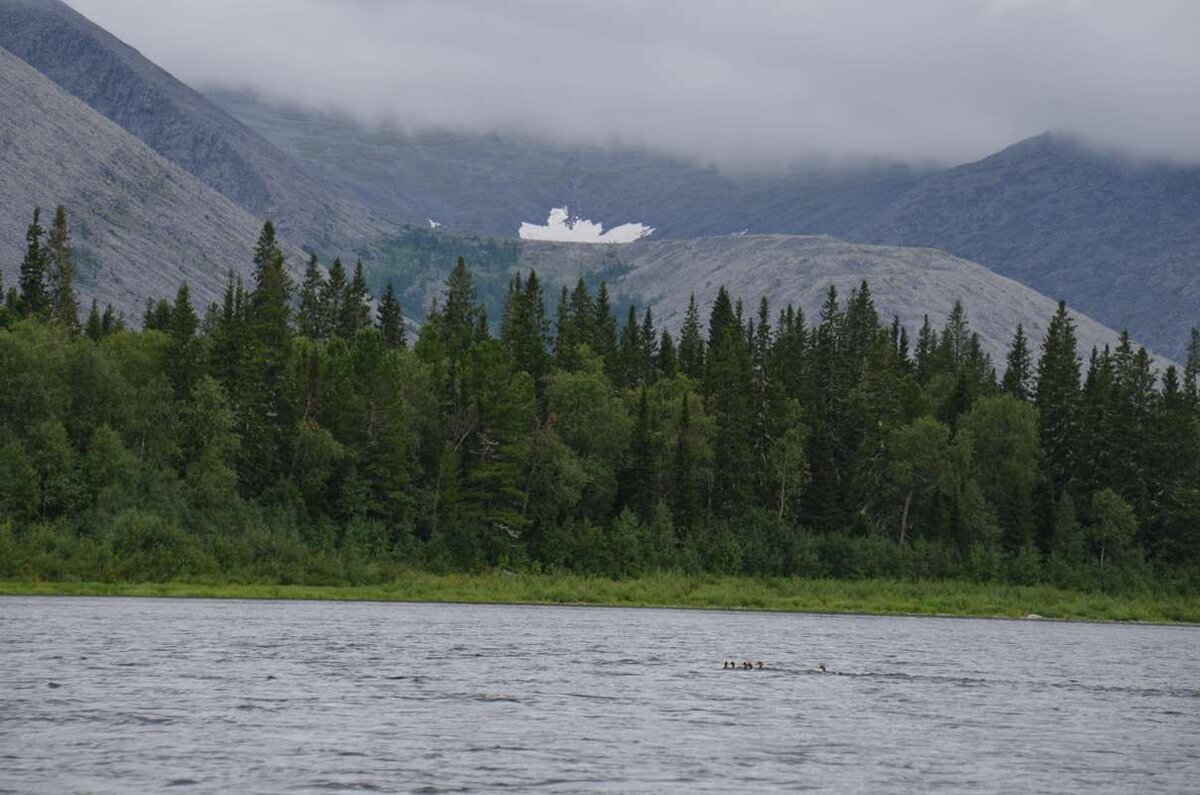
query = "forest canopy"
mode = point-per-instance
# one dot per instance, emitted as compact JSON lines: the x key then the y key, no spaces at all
{"x":307,"y":433}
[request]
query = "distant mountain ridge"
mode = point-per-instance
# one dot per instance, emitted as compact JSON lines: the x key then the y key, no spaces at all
{"x":141,"y":225}
{"x":183,"y":126}
{"x":1048,"y":211}
{"x":488,"y":184}
{"x":1117,"y":238}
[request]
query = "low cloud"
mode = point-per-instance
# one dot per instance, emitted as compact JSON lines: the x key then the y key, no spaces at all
{"x":739,"y":83}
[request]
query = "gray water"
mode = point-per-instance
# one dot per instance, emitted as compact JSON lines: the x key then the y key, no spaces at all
{"x":125,"y":695}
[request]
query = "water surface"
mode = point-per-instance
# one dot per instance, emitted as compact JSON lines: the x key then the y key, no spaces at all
{"x":148,"y":695}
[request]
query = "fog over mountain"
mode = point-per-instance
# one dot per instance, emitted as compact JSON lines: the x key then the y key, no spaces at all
{"x":739,"y":83}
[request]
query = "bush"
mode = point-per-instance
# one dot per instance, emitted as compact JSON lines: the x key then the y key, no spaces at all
{"x":147,"y":548}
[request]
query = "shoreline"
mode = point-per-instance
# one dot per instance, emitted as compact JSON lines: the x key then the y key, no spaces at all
{"x":872,"y":598}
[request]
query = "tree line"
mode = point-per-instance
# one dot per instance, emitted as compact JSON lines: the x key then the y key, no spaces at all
{"x":296,"y":433}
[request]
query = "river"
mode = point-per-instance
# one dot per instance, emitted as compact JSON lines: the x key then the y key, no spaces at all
{"x":150,"y":695}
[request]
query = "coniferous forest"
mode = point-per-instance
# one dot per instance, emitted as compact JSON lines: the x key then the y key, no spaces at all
{"x":305,"y":433}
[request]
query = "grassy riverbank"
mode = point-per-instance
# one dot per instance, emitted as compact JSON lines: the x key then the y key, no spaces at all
{"x":880,"y":597}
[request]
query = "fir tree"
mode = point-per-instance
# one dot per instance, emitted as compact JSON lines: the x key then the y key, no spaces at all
{"x":722,"y":321}
{"x":264,"y":399}
{"x":604,"y":341}
{"x":691,"y":343}
{"x":1191,"y":371}
{"x":927,"y":345}
{"x":264,"y":249}
{"x":668,"y":362}
{"x":157,"y":316}
{"x":1057,"y":397}
{"x":184,"y":367}
{"x":34,"y":300}
{"x":641,"y":486}
{"x":64,"y":306}
{"x":356,"y":306}
{"x":93,"y":329}
{"x":564,"y":345}
{"x":110,"y":322}
{"x":333,"y":300}
{"x":648,"y":348}
{"x":391,"y":319}
{"x":460,"y":314}
{"x":582,"y":323}
{"x":629,"y":356}
{"x":1018,"y":374}
{"x":309,"y":317}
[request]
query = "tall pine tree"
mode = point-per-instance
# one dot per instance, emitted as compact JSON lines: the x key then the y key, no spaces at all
{"x":34,"y":299}
{"x":64,"y":305}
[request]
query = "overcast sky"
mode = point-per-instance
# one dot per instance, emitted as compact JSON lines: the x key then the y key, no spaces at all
{"x":739,"y":82}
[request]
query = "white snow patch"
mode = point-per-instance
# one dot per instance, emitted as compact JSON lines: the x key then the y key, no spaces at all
{"x":432,"y":223}
{"x":564,"y":228}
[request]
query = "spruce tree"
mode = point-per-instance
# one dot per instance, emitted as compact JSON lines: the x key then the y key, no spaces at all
{"x":184,"y":366}
{"x":264,"y":249}
{"x":729,"y":388}
{"x":1057,"y":398}
{"x":333,"y":301}
{"x":460,"y":313}
{"x":309,"y":317}
{"x":668,"y":361}
{"x":927,"y":345}
{"x":157,"y":316}
{"x":64,"y":306}
{"x":628,"y":371}
{"x":604,"y":341}
{"x":356,"y":305}
{"x":535,"y":336}
{"x":391,"y":319}
{"x":722,"y":321}
{"x":1018,"y":375}
{"x":110,"y":323}
{"x":564,"y":344}
{"x":648,"y":348}
{"x":265,"y":396}
{"x":1191,"y":371}
{"x":583,"y":316}
{"x":956,"y":335}
{"x":93,"y":329}
{"x":640,"y":482}
{"x":34,"y":300}
{"x":691,"y":343}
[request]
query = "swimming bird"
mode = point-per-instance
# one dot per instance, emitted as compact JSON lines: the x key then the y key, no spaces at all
{"x":821,"y":668}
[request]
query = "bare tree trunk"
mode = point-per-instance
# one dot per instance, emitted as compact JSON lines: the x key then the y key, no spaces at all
{"x":904,"y":518}
{"x":782,"y":494}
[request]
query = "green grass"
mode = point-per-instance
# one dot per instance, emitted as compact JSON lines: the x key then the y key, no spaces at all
{"x":877,"y":597}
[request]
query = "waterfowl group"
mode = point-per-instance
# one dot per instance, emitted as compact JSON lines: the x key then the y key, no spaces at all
{"x":745,"y":665}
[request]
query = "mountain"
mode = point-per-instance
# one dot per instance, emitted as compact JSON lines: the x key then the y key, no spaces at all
{"x":1117,"y":238}
{"x":141,"y":225}
{"x":905,"y":282}
{"x":488,"y":184}
{"x":183,"y":126}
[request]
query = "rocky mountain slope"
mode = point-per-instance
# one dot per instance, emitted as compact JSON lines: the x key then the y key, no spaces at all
{"x":1117,"y":238}
{"x":182,"y":126}
{"x":141,"y":225}
{"x":906,"y":282}
{"x":1120,"y":239}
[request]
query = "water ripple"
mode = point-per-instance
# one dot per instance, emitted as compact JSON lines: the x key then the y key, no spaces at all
{"x":115,"y":695}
